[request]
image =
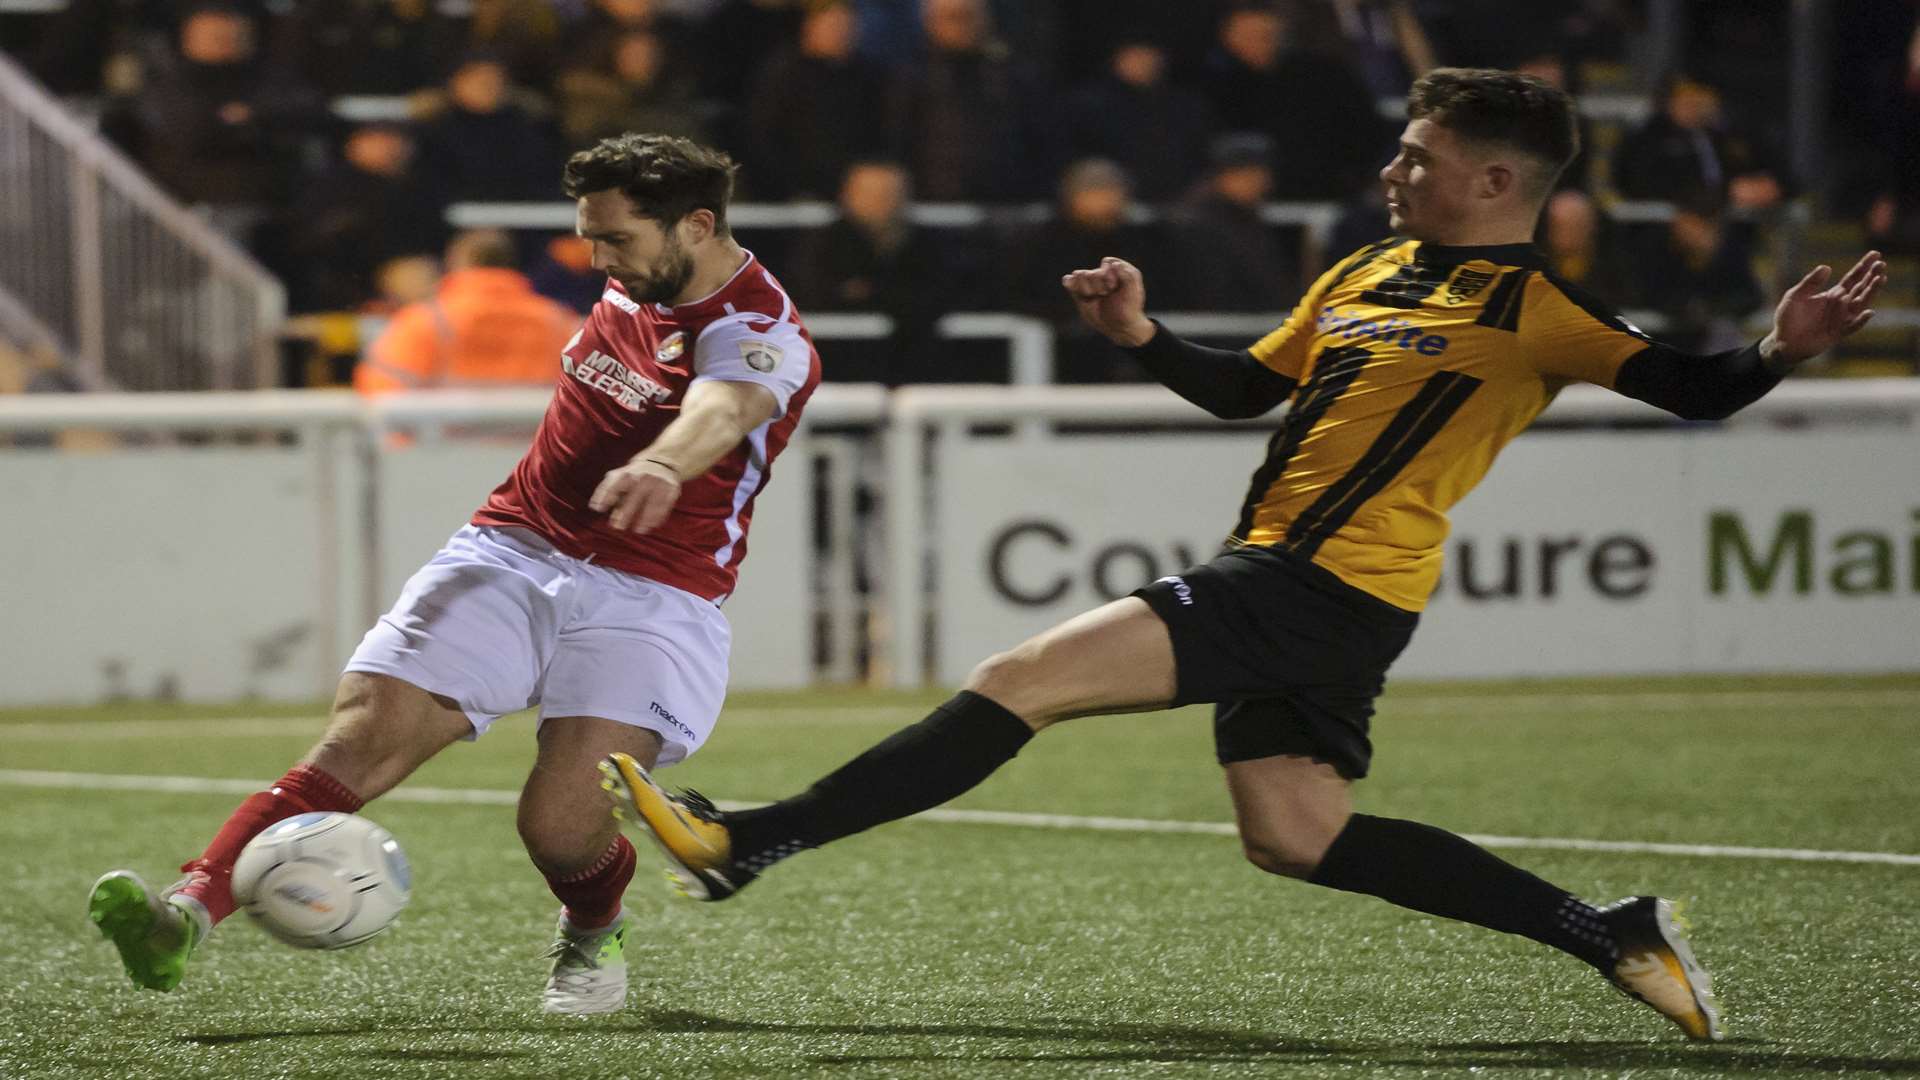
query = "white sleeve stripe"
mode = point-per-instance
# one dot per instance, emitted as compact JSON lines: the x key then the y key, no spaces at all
{"x":751,"y":478}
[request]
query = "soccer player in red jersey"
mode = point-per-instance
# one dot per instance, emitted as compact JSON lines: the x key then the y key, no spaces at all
{"x":589,"y":584}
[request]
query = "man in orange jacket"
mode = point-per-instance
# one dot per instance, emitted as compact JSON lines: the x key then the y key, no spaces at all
{"x":485,"y":326}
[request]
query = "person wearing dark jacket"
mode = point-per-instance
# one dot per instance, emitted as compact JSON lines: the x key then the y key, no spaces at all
{"x":874,"y":259}
{"x":483,"y":146}
{"x":1229,"y":259}
{"x":371,"y":207}
{"x":1134,"y":116}
{"x":809,"y":111}
{"x":1314,"y":105}
{"x":964,"y":119}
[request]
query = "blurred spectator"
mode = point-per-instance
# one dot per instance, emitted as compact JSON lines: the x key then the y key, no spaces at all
{"x":1551,"y":68}
{"x":1089,"y":223}
{"x":1700,"y":277}
{"x":82,"y":39}
{"x":607,"y":19}
{"x":748,"y":33}
{"x":1685,"y":147}
{"x":402,"y":280}
{"x":1501,"y":33}
{"x":483,"y":146}
{"x":209,"y":123}
{"x":1390,"y":47}
{"x":1185,"y":32}
{"x":484,"y":326}
{"x":370,"y":207}
{"x":1581,"y":247}
{"x":1327,"y":136}
{"x":874,"y":259}
{"x":564,"y":272}
{"x":630,"y":86}
{"x":1877,"y":91}
{"x":1740,"y":47}
{"x":1363,"y":221}
{"x":1228,"y":259}
{"x":524,"y":35}
{"x":964,"y":118}
{"x":360,"y":46}
{"x":811,"y":111}
{"x":1134,"y":116}
{"x":1893,"y":224}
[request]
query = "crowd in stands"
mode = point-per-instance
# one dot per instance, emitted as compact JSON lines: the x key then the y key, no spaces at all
{"x":1200,"y":111}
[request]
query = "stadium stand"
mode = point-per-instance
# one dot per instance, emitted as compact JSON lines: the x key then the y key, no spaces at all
{"x":341,"y":141}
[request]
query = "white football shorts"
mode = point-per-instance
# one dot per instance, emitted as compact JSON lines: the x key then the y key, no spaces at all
{"x":499,"y":621}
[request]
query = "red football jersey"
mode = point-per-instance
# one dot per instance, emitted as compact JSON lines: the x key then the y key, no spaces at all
{"x":623,"y":377}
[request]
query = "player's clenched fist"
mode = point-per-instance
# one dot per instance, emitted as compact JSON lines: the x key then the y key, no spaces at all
{"x":638,"y":495}
{"x":1112,"y":298}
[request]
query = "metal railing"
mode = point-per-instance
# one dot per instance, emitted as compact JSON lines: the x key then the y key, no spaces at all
{"x":136,"y":291}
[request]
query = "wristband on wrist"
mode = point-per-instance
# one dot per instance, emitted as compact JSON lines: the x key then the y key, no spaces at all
{"x":667,"y":465}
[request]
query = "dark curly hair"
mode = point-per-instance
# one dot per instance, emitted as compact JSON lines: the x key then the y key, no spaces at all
{"x":666,"y":176}
{"x":1503,"y":107}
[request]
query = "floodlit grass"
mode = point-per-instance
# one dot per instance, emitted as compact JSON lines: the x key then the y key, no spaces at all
{"x":940,"y":949}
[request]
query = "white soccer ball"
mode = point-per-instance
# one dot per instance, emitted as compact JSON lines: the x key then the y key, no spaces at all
{"x":322,"y":881}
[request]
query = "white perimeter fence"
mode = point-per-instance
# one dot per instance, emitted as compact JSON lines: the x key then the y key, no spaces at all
{"x":233,"y":545}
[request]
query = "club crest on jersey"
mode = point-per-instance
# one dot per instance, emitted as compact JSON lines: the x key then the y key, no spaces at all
{"x":671,"y":348}
{"x":1467,"y":284}
{"x":761,"y":356}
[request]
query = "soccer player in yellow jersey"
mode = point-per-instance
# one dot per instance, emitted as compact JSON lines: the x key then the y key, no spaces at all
{"x":1406,"y":368}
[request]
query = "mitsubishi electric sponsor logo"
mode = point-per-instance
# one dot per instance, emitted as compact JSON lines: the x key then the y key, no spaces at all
{"x":631,"y":389}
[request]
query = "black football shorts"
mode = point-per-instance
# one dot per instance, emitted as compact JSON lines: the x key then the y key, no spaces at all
{"x":1291,"y":656}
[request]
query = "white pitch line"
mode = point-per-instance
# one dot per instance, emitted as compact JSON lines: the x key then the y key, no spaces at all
{"x":1548,"y":706}
{"x":201,"y":785}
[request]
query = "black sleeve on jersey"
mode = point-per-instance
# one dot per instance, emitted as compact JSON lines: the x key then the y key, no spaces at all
{"x":1693,"y":386}
{"x":1229,"y":384}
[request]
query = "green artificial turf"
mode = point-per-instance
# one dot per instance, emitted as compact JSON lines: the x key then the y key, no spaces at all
{"x":956,"y":949}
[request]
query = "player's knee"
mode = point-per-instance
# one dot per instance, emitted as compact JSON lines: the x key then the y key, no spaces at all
{"x":1008,"y":679}
{"x":1283,"y":855}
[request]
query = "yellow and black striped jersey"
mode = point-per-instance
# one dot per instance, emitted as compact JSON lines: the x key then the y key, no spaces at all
{"x":1415,"y":364}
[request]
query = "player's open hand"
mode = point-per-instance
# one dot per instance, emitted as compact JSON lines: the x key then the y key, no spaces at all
{"x":638,"y":495}
{"x":1813,"y":316}
{"x":1112,"y":298}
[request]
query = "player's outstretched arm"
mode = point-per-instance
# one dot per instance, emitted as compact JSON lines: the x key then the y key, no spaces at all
{"x":1813,"y":316}
{"x":715,"y":416}
{"x":1230,"y":384}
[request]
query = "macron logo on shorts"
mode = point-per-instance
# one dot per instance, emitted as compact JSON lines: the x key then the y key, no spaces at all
{"x":1182,"y":591}
{"x":671,"y":719}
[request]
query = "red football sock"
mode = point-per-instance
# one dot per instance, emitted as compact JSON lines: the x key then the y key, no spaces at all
{"x":592,"y":896}
{"x":305,"y":789}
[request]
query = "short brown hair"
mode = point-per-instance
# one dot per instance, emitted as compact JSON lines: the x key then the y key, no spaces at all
{"x":666,"y":176}
{"x":1503,"y":107}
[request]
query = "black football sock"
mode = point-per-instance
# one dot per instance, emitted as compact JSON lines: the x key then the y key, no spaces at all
{"x":916,"y":768}
{"x":1427,"y":869}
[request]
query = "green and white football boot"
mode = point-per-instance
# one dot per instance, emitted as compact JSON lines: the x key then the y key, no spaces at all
{"x":155,"y":932}
{"x":589,"y":972}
